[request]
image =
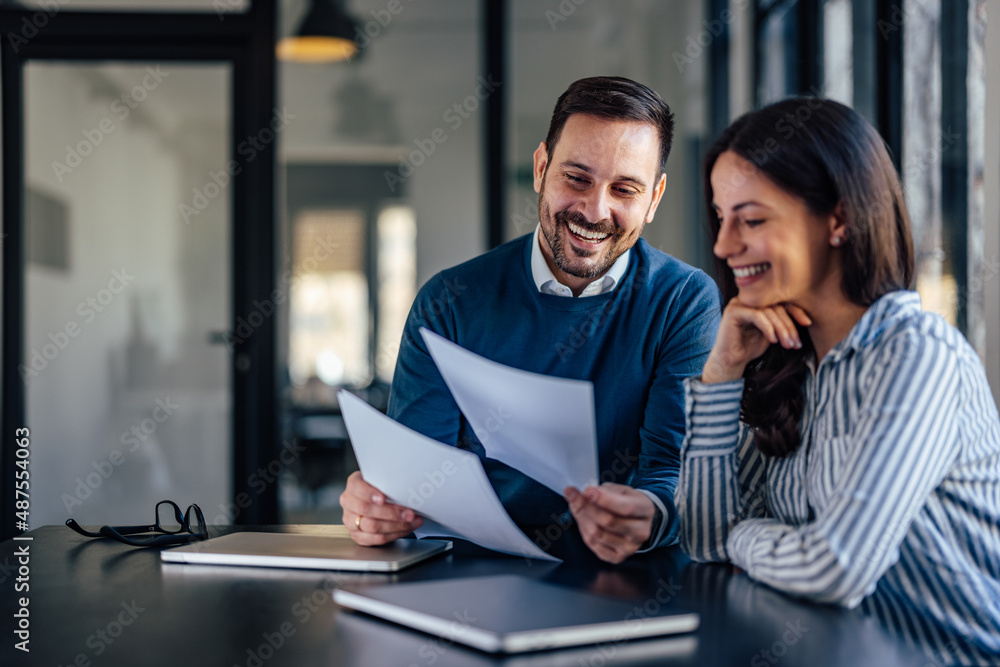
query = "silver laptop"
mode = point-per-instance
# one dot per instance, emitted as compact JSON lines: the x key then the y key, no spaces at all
{"x":513,"y":614}
{"x":372,"y":641}
{"x":315,"y":552}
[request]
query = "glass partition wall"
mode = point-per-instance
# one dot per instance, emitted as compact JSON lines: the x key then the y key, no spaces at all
{"x":127,"y":273}
{"x":137,"y":235}
{"x":383,"y":187}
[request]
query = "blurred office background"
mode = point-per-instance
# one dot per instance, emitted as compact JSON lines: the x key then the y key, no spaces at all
{"x":147,"y":277}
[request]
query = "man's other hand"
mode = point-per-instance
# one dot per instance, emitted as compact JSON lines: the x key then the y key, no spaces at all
{"x":614,"y":520}
{"x":369,"y":516}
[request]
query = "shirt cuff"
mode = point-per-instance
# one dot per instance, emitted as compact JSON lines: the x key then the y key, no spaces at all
{"x":654,"y":540}
{"x":712,"y":417}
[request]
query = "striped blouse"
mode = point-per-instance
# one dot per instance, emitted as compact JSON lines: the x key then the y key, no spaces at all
{"x":896,"y":485}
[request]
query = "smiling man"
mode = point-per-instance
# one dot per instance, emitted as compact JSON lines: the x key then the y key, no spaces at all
{"x":583,"y":297}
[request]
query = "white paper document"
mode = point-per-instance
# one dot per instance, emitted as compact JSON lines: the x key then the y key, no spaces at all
{"x":444,"y":484}
{"x":541,"y":425}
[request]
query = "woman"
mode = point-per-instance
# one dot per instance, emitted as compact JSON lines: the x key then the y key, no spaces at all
{"x":868,"y":455}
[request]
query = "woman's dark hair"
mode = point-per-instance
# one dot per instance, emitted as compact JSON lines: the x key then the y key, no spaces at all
{"x":613,"y":98}
{"x":826,"y":154}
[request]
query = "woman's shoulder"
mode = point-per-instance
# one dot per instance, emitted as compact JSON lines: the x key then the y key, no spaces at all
{"x":901,"y":340}
{"x":897,"y":320}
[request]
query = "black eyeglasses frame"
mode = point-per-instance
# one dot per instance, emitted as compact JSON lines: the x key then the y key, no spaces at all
{"x":166,"y":536}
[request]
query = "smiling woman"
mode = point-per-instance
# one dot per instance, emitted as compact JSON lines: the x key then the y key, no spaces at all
{"x":778,"y":250}
{"x":840,"y":442}
{"x":798,"y":218}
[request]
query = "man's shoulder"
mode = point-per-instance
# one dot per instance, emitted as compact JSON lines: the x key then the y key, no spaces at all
{"x":482,"y":274}
{"x":662,"y":271}
{"x":683,"y":298}
{"x":507,"y":256}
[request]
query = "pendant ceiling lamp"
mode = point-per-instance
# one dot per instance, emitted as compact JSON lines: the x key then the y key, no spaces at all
{"x":327,"y":34}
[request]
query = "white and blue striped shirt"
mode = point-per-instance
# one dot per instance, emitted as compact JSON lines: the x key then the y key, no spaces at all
{"x":896,"y":485}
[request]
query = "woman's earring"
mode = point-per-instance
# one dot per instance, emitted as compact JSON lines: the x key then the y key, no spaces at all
{"x":836,"y":241}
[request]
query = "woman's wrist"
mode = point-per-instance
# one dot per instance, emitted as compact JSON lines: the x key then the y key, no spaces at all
{"x":715,"y":371}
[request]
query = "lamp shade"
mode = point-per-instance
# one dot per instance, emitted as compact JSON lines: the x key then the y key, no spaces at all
{"x":326,"y":35}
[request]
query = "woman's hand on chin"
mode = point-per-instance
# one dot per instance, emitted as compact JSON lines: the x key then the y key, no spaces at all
{"x":745,"y":333}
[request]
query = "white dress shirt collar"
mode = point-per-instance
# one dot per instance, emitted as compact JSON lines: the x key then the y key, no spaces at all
{"x":546,"y":281}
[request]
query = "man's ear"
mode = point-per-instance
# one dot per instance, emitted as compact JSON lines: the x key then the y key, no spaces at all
{"x":541,"y":162}
{"x":661,"y":185}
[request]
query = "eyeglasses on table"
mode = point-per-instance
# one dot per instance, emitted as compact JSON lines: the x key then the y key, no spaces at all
{"x":171,"y":528}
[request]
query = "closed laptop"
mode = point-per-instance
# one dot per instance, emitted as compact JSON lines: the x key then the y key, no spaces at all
{"x":317,"y":552}
{"x":513,"y":614}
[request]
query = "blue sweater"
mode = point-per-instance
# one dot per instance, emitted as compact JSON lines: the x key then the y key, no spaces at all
{"x":636,"y":344}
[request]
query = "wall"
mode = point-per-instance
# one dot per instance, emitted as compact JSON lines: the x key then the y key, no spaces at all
{"x":388,"y":106}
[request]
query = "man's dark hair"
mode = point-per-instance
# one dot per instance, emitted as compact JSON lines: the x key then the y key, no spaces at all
{"x":613,"y":98}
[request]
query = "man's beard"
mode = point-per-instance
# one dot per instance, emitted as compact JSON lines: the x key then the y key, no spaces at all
{"x":617,"y":243}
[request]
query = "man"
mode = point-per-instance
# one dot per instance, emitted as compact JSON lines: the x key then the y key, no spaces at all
{"x":585,"y":298}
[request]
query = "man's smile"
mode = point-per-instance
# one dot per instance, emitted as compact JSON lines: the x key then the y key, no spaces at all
{"x":585,"y":235}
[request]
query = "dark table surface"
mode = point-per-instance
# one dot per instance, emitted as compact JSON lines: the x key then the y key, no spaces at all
{"x":98,"y":602}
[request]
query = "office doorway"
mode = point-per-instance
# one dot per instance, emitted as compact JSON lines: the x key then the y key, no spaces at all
{"x":138,"y":230}
{"x":128,"y":271}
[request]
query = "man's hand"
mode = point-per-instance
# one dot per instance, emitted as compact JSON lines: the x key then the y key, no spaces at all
{"x":371,"y":518}
{"x":614,"y":520}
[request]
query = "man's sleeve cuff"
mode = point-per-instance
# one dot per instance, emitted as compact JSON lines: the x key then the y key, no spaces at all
{"x":654,"y":540}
